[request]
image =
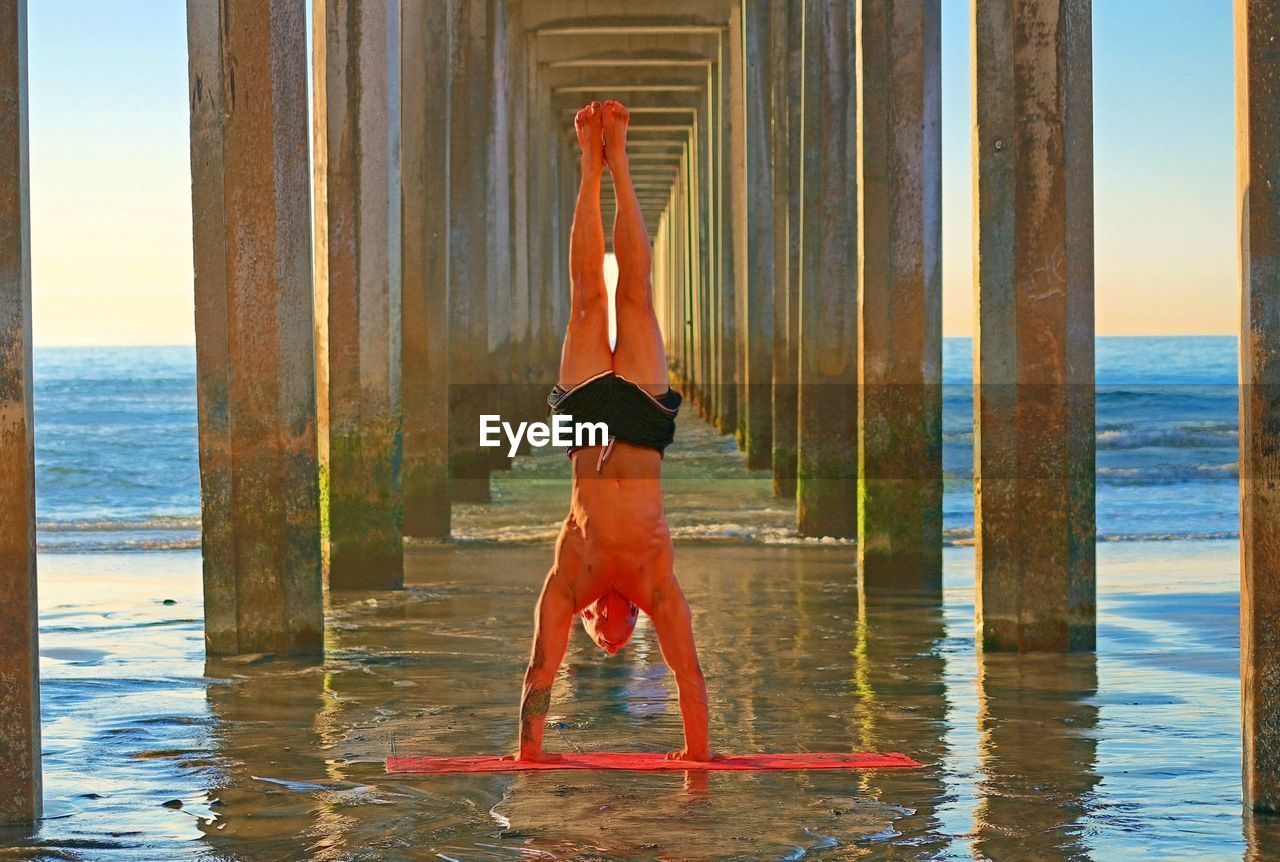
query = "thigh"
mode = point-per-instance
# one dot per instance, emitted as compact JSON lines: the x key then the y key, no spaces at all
{"x":585,"y":352}
{"x":640,"y":354}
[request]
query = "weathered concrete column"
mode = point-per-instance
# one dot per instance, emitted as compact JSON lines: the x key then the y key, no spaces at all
{"x":543,"y":223}
{"x":1258,"y":176}
{"x":362,"y":66}
{"x":787,"y":28}
{"x":320,"y":256}
{"x":754,"y":216}
{"x":1033,"y":364}
{"x":424,"y":248}
{"x":726,"y":116}
{"x":900,"y":275}
{"x":500,"y":312}
{"x":19,"y":650}
{"x":470,"y":144}
{"x":251,"y":206}
{"x":826,"y":456}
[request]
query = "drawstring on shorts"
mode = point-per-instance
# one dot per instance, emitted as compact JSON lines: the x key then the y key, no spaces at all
{"x":604,"y":454}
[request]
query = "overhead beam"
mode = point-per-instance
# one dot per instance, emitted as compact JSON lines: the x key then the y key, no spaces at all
{"x":631,"y":30}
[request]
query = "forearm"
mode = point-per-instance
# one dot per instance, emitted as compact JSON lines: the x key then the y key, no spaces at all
{"x":693,"y":710}
{"x":534,"y":703}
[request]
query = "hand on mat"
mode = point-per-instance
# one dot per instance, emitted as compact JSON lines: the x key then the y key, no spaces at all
{"x":535,"y":756}
{"x":684,"y":754}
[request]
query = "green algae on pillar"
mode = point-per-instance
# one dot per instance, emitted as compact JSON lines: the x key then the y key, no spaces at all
{"x":1257,"y":35}
{"x":900,"y":325}
{"x":363,"y":200}
{"x":20,"y":793}
{"x":1033,"y":365}
{"x":255,"y":361}
{"x":826,"y":456}
{"x":424,"y":248}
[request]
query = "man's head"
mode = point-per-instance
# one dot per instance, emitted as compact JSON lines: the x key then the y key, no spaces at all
{"x":609,"y":621}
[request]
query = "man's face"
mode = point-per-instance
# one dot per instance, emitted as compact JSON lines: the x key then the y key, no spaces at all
{"x":609,"y":621}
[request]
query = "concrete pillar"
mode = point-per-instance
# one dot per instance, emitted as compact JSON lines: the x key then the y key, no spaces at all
{"x":1258,"y":177}
{"x":787,"y":26}
{"x":20,"y":800}
{"x":320,"y":256}
{"x":900,"y":324}
{"x":725,"y":220}
{"x":737,"y":213}
{"x":251,"y":206}
{"x":700,"y":145}
{"x":755,"y":249}
{"x":362,"y":66}
{"x":500,"y":315}
{"x":470,"y":138}
{"x":826,"y":457}
{"x":1033,"y":364}
{"x":424,"y":248}
{"x":544,"y":239}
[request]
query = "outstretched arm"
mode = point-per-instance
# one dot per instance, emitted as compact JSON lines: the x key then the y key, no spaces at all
{"x":669,"y":612}
{"x":552,"y":621}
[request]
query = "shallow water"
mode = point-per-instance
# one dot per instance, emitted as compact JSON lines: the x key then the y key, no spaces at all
{"x":1134,"y":750}
{"x":117,"y":464}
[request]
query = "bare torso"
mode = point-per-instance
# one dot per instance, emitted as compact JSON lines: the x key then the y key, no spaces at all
{"x":616,"y":534}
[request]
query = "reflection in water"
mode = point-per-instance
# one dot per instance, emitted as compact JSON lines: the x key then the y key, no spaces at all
{"x":152,"y":754}
{"x":1037,"y":746}
{"x":898,"y":673}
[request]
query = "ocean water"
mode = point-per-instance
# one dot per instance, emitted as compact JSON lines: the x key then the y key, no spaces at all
{"x":118,"y":469}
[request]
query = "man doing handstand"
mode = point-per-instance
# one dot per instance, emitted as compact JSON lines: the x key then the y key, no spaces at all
{"x":614,"y":556}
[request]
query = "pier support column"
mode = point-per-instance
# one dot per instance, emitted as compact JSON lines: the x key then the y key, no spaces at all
{"x":725,"y":213}
{"x":788,"y":29}
{"x":251,"y":207}
{"x":500,"y":361}
{"x":754,"y":250}
{"x":20,"y":801}
{"x":900,"y":275}
{"x":1033,"y":365}
{"x":362,"y":67}
{"x":424,"y":247}
{"x":470,"y":138}
{"x":1257,"y":35}
{"x":826,"y":456}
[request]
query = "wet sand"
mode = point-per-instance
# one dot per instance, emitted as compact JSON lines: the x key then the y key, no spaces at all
{"x":152,"y":753}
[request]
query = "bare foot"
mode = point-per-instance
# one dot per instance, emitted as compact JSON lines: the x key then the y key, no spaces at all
{"x":616,"y":118}
{"x":588,"y":125}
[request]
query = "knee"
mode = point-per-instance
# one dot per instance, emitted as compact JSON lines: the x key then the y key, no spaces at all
{"x":636,"y":296}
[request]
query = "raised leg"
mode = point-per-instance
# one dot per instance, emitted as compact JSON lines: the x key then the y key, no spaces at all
{"x":586,"y":340}
{"x":640,"y":355}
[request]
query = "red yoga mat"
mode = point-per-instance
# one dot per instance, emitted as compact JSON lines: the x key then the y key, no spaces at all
{"x":652,"y":762}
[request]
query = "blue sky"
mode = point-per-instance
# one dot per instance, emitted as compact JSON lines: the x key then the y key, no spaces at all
{"x":111,"y":197}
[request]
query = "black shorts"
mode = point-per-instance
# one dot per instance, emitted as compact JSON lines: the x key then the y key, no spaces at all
{"x":632,"y":414}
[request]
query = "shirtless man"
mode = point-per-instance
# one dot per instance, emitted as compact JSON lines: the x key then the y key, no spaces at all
{"x":614,"y":555}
